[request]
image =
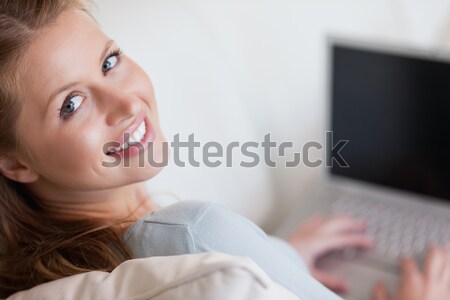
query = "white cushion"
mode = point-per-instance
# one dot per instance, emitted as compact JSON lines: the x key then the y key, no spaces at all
{"x":208,"y":276}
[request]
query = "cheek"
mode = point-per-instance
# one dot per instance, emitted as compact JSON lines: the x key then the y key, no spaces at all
{"x":74,"y":152}
{"x":139,"y":82}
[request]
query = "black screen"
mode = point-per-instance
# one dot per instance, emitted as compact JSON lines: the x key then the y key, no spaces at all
{"x":395,"y":111}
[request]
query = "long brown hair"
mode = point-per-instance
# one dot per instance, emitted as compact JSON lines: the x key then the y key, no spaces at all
{"x":36,"y":247}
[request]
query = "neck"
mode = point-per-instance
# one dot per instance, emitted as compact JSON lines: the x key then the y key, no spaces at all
{"x":129,"y":202}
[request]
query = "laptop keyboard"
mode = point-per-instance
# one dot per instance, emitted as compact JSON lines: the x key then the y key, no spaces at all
{"x":397,"y":231}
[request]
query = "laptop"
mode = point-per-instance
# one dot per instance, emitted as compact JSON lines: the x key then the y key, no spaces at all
{"x":392,"y":105}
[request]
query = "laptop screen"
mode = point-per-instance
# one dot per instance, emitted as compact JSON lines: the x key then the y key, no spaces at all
{"x":395,"y":112}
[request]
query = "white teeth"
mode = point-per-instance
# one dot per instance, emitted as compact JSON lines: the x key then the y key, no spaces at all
{"x":115,"y":149}
{"x":138,"y":134}
{"x":135,"y":138}
{"x":141,"y":129}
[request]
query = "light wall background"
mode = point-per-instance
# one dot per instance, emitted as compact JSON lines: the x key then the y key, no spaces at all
{"x":239,"y":69}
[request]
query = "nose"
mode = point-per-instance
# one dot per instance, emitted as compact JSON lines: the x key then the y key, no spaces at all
{"x":118,"y":104}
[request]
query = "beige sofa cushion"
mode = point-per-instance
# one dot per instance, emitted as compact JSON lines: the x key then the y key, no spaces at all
{"x":212,"y":276}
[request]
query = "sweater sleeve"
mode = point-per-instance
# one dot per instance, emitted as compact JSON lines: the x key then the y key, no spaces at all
{"x":220,"y":230}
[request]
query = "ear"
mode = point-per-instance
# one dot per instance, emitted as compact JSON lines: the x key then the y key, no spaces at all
{"x":15,"y":170}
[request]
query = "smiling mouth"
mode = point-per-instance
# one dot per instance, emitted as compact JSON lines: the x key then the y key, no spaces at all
{"x":135,"y":138}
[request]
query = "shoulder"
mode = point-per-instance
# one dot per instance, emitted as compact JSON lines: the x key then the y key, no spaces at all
{"x":201,"y":216}
{"x":191,"y":227}
{"x":167,"y":231}
{"x":186,"y":213}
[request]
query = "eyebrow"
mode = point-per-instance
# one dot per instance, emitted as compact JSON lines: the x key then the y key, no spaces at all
{"x":71,"y":84}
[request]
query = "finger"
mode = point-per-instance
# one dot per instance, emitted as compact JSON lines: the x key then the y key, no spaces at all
{"x":434,"y":263}
{"x":314,"y":222}
{"x":446,"y":270}
{"x":339,"y":242}
{"x":380,"y":292}
{"x":310,"y":224}
{"x":332,"y":282}
{"x":341,"y":223}
{"x":411,"y":273}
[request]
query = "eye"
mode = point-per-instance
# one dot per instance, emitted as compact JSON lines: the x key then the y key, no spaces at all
{"x":111,"y":61}
{"x":70,"y":105}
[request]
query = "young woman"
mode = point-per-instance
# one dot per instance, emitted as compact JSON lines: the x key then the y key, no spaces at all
{"x":66,"y":90}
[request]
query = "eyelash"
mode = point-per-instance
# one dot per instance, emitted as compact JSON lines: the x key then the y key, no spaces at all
{"x":115,"y":52}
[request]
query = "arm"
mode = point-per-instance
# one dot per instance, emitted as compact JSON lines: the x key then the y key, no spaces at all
{"x":220,"y":230}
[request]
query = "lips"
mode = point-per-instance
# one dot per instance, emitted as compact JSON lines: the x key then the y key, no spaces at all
{"x":134,"y":134}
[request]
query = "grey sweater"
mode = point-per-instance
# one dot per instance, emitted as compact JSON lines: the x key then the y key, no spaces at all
{"x":195,"y":226}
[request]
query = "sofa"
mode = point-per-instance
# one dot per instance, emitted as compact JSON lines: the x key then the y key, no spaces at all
{"x":204,"y":276}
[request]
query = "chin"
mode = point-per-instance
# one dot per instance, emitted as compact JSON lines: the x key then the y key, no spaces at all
{"x":160,"y":155}
{"x":148,"y":173}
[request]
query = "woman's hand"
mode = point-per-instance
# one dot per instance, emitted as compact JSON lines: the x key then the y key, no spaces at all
{"x":319,"y":236}
{"x":431,"y":284}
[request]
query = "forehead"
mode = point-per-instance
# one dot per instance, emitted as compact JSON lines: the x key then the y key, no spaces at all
{"x":60,"y":53}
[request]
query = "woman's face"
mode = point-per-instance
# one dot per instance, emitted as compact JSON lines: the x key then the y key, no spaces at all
{"x":78,"y":94}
